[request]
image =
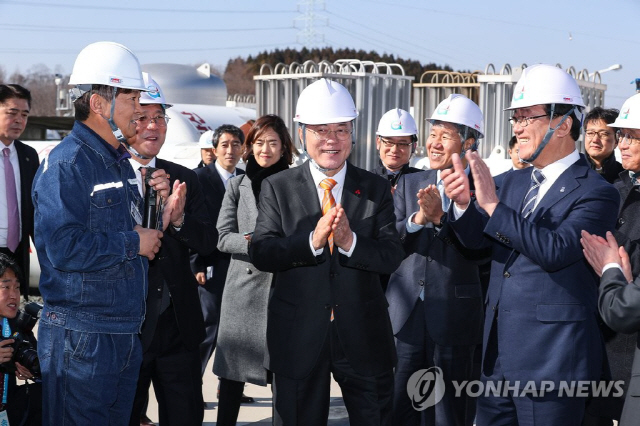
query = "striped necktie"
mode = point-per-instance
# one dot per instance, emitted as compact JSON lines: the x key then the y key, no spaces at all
{"x":529,"y":203}
{"x":328,"y":202}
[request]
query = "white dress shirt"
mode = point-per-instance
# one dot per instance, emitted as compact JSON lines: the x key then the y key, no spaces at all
{"x":4,"y":220}
{"x":225,"y":175}
{"x":136,"y":168}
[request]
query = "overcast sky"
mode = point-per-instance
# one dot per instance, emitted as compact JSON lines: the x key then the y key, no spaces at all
{"x":465,"y":34}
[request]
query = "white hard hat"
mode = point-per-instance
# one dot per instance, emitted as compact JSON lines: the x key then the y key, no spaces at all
{"x":154,"y":94}
{"x":545,"y":84}
{"x":459,"y":109}
{"x":325,"y":102}
{"x":397,"y":122}
{"x":107,"y":63}
{"x":629,"y":117}
{"x":206,"y":140}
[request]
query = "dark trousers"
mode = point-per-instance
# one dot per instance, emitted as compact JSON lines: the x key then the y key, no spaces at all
{"x":210,"y":302}
{"x":509,"y":410}
{"x":417,"y":350}
{"x":229,"y":402}
{"x":306,"y":402}
{"x":175,"y":373}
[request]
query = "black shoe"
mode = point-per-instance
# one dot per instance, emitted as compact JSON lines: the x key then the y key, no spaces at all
{"x":247,"y":399}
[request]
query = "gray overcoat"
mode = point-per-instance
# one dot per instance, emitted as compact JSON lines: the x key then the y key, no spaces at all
{"x":241,"y":347}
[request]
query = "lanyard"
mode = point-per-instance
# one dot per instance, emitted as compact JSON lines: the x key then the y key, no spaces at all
{"x":6,"y":332}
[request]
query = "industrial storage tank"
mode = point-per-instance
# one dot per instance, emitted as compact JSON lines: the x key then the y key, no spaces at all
{"x":186,"y":84}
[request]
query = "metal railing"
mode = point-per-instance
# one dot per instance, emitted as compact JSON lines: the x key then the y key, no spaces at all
{"x":376,"y":87}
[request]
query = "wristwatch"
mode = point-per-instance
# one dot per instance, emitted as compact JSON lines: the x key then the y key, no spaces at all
{"x":178,"y":228}
{"x":442,"y":218}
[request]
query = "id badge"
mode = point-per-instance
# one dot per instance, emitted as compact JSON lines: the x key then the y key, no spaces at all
{"x":4,"y":420}
{"x":136,"y":215}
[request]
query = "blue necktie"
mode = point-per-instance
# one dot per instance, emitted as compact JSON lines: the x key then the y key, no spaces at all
{"x":529,"y":203}
{"x":446,"y":202}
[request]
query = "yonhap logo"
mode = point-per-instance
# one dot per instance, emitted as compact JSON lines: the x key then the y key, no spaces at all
{"x":425,"y":388}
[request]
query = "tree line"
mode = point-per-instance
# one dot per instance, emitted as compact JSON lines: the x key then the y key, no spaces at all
{"x":237,"y":75}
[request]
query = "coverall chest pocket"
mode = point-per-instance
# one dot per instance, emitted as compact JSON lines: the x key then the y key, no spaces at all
{"x":105,"y":209}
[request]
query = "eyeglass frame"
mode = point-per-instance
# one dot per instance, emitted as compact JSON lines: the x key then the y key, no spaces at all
{"x":626,"y":136}
{"x":162,"y":117}
{"x":335,"y":132}
{"x":521,"y":120}
{"x":606,"y":132}
{"x":389,"y":144}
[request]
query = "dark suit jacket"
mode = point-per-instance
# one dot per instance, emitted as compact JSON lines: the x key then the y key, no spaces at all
{"x":619,"y":305}
{"x":381,"y":170}
{"x":437,"y":263}
{"x":307,"y":287}
{"x":627,"y":231}
{"x":172,"y":262}
{"x":29,"y":162}
{"x":213,"y":190}
{"x":611,"y":168}
{"x":542,"y":292}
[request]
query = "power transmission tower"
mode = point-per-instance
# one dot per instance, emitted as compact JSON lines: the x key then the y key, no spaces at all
{"x":308,"y":35}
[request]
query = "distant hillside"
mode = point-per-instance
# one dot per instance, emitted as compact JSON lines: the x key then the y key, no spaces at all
{"x":239,"y":72}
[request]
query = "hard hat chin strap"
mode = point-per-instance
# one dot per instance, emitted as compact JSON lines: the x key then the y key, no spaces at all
{"x":118,"y":133}
{"x":465,"y":136}
{"x":547,"y":136}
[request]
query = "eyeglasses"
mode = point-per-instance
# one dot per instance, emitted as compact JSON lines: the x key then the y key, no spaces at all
{"x":602,"y":134}
{"x":159,"y":120}
{"x":525,"y":121}
{"x":630,"y":140}
{"x":323,"y":134}
{"x":401,"y":145}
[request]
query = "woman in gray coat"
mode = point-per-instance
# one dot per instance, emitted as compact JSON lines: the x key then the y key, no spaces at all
{"x":241,"y":347}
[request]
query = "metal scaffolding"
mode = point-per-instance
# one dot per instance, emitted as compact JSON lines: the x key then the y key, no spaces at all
{"x":433,"y":88}
{"x":376,"y":87}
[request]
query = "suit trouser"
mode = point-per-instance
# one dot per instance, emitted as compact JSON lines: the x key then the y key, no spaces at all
{"x":210,"y":302}
{"x":175,"y":373}
{"x":501,"y":410}
{"x":417,"y":350}
{"x":305,"y":402}
{"x":229,"y":402}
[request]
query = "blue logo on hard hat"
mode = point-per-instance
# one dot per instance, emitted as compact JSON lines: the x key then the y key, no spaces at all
{"x":396,"y":125}
{"x":443,"y":110}
{"x":153,"y":92}
{"x":625,"y":114}
{"x":519,"y":95}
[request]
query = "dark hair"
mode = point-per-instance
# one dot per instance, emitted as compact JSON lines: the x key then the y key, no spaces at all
{"x":270,"y":121}
{"x":608,"y":115}
{"x":513,"y":141}
{"x":226,"y":128}
{"x":82,"y":105}
{"x":562,"y":109}
{"x":11,"y":91}
{"x":8,"y":263}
